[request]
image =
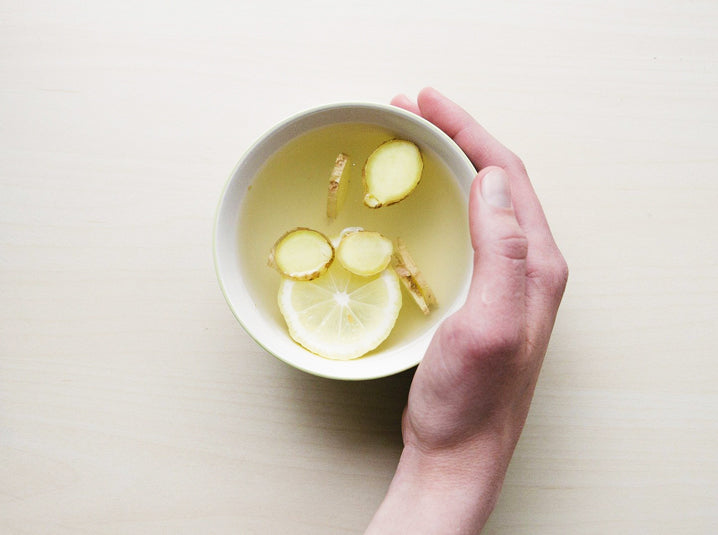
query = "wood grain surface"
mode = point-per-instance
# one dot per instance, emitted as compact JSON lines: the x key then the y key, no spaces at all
{"x":131,"y":401}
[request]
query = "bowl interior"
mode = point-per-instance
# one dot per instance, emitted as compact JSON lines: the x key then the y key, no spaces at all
{"x":266,"y":330}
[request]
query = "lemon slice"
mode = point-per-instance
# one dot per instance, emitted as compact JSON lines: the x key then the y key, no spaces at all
{"x":341,"y":315}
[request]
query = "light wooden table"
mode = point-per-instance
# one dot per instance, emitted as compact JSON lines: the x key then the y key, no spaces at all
{"x":132,"y":402}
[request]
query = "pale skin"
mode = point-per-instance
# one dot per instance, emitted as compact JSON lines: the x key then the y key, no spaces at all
{"x":471,"y":393}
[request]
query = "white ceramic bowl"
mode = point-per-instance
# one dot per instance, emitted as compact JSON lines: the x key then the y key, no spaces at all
{"x":271,"y":334}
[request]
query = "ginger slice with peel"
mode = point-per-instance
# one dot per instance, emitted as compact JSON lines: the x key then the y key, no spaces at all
{"x":301,"y":254}
{"x":407,"y":260}
{"x":391,"y":172}
{"x":412,"y":278}
{"x":412,"y":288}
{"x":338,"y":185}
{"x":364,"y":253}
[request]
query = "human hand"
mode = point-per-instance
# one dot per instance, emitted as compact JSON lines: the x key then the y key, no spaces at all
{"x":471,"y":393}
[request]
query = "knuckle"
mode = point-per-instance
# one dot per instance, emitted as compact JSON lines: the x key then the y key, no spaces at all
{"x":561,"y":272}
{"x":557,"y":272}
{"x":517,"y":164}
{"x":552,"y":275}
{"x":513,"y":246}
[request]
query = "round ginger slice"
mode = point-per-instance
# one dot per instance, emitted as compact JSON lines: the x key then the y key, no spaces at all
{"x":391,"y":172}
{"x":338,"y":185}
{"x":364,"y":253}
{"x":302,"y":254}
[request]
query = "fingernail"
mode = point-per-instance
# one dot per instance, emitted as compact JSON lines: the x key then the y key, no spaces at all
{"x":495,"y":188}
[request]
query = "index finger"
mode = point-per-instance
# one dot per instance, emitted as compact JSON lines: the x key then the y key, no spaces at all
{"x":484,"y":150}
{"x":545,"y":265}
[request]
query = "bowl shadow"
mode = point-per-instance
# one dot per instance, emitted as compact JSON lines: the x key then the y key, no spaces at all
{"x":360,"y":415}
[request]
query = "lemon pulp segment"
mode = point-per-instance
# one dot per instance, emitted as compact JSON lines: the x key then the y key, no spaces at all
{"x":340,"y":315}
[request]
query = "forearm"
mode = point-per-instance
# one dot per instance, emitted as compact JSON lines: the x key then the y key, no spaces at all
{"x":451,"y":492}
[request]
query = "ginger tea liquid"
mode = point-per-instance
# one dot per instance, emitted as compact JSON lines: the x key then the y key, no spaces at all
{"x":291,"y":191}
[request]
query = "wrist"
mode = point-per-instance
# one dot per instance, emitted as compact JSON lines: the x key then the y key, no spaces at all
{"x":448,"y":491}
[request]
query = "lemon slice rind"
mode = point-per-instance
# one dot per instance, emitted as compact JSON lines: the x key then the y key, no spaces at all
{"x":340,"y":315}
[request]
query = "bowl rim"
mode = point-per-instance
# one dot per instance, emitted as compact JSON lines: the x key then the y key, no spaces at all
{"x":420,"y":341}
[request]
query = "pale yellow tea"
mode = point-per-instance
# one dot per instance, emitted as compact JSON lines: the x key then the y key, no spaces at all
{"x":291,"y":191}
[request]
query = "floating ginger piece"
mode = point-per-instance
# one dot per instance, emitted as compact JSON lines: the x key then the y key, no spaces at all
{"x":338,"y":185}
{"x":413,"y":279}
{"x":302,"y":254}
{"x":411,"y":286}
{"x":364,"y":253}
{"x":391,"y":172}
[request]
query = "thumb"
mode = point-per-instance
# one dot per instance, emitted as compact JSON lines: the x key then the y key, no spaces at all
{"x":498,"y":285}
